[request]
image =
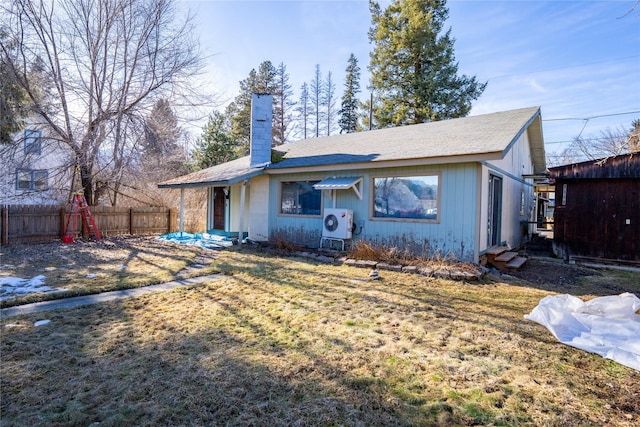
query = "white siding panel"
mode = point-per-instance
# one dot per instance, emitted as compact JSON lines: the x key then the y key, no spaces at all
{"x":234,"y":208}
{"x":517,"y":162}
{"x":259,"y":209}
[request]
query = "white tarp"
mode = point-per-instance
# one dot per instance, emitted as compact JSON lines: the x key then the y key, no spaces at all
{"x":608,"y":326}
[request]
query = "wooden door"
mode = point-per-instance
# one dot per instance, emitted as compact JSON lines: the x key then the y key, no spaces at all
{"x":218,"y":208}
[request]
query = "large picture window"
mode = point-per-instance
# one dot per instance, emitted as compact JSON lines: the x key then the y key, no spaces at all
{"x":408,"y":197}
{"x":300,"y":198}
{"x":31,"y":180}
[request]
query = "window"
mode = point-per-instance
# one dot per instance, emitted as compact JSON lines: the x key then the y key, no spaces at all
{"x":300,"y":198}
{"x":409,"y":197}
{"x":32,"y":141}
{"x":28,"y":180}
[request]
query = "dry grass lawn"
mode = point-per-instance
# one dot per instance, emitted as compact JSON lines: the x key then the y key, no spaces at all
{"x":285,"y":341}
{"x":89,"y":267}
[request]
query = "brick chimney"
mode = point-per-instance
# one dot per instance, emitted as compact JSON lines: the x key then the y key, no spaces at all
{"x":261,"y":116}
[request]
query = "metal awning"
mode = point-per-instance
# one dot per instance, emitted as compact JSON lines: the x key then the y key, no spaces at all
{"x":341,"y":183}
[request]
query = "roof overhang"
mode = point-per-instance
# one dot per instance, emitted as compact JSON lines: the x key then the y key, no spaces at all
{"x":221,"y":175}
{"x":212,"y":183}
{"x":341,"y":183}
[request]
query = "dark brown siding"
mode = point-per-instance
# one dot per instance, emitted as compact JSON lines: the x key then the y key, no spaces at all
{"x":622,"y":166}
{"x":601,"y":218}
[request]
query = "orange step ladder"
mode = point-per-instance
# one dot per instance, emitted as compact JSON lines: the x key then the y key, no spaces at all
{"x":80,"y":207}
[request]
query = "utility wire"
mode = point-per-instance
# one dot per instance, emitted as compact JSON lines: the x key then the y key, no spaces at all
{"x":564,"y":68}
{"x":592,"y":117}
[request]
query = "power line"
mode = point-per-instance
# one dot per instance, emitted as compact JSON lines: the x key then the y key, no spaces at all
{"x":592,"y":117}
{"x":563,"y":68}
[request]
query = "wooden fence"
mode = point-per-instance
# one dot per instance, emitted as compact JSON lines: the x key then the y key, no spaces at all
{"x":36,"y":223}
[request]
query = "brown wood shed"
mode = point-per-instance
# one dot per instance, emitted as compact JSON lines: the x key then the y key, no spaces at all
{"x":597,"y":212}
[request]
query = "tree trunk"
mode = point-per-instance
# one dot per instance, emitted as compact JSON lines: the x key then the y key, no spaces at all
{"x":86,"y":180}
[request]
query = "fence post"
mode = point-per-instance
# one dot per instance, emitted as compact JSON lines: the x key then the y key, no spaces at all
{"x":168,"y":220}
{"x":131,"y":228}
{"x":5,"y":227}
{"x":63,"y":229}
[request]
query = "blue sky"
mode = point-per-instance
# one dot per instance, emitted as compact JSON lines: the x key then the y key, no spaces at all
{"x":578,"y":60}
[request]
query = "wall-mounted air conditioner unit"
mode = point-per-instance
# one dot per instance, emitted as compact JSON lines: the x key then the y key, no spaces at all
{"x":337,"y":223}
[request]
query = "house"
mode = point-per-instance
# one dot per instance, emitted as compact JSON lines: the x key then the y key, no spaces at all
{"x":597,"y":211}
{"x":34,"y":169}
{"x":447,"y":188}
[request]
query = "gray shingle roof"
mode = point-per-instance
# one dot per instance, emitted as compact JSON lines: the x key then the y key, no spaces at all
{"x":488,"y":135}
{"x":219,"y":175}
{"x":484,"y":134}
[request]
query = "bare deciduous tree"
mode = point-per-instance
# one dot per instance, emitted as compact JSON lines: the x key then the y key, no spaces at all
{"x":105,"y":63}
{"x":611,"y":142}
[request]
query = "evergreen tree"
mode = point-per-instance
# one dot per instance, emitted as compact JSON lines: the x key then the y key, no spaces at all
{"x":329,"y":101}
{"x":13,"y":98}
{"x":303,"y":109}
{"x":217,"y":144}
{"x":282,"y":106}
{"x":261,"y":81}
{"x":414,"y":73}
{"x":349,"y":110}
{"x":161,"y":131}
{"x":316,"y":100}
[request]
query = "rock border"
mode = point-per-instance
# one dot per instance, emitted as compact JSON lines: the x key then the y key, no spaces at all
{"x":445,"y":272}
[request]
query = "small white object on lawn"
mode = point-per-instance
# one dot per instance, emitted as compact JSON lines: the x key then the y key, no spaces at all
{"x":42,"y":322}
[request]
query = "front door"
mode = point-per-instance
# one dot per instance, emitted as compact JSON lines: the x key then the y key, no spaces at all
{"x":495,"y":210}
{"x":218,"y":208}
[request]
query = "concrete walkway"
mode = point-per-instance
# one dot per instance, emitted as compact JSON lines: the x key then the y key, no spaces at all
{"x":37,"y":307}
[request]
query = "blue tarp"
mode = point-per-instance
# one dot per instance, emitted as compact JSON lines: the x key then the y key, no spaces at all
{"x":204,"y":240}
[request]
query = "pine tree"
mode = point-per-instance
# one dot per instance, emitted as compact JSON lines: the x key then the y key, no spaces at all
{"x":162,"y":154}
{"x":303,"y":109}
{"x":282,"y":106}
{"x":329,"y":102}
{"x":316,"y":100}
{"x":217,"y":144}
{"x":261,"y":81}
{"x":161,"y":131}
{"x":349,"y":110}
{"x":13,"y":97}
{"x":414,"y":73}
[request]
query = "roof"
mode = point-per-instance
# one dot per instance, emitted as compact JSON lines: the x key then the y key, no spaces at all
{"x":220,"y":175}
{"x":621,"y":166}
{"x":485,"y":136}
{"x":473,"y":138}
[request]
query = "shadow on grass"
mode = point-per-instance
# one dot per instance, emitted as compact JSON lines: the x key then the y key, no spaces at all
{"x":282,"y":342}
{"x":85,"y":269}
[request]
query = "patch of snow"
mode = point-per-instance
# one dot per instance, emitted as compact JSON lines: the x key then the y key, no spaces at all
{"x":13,"y":325}
{"x":91,"y":276}
{"x":42,"y":322}
{"x":12,"y":287}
